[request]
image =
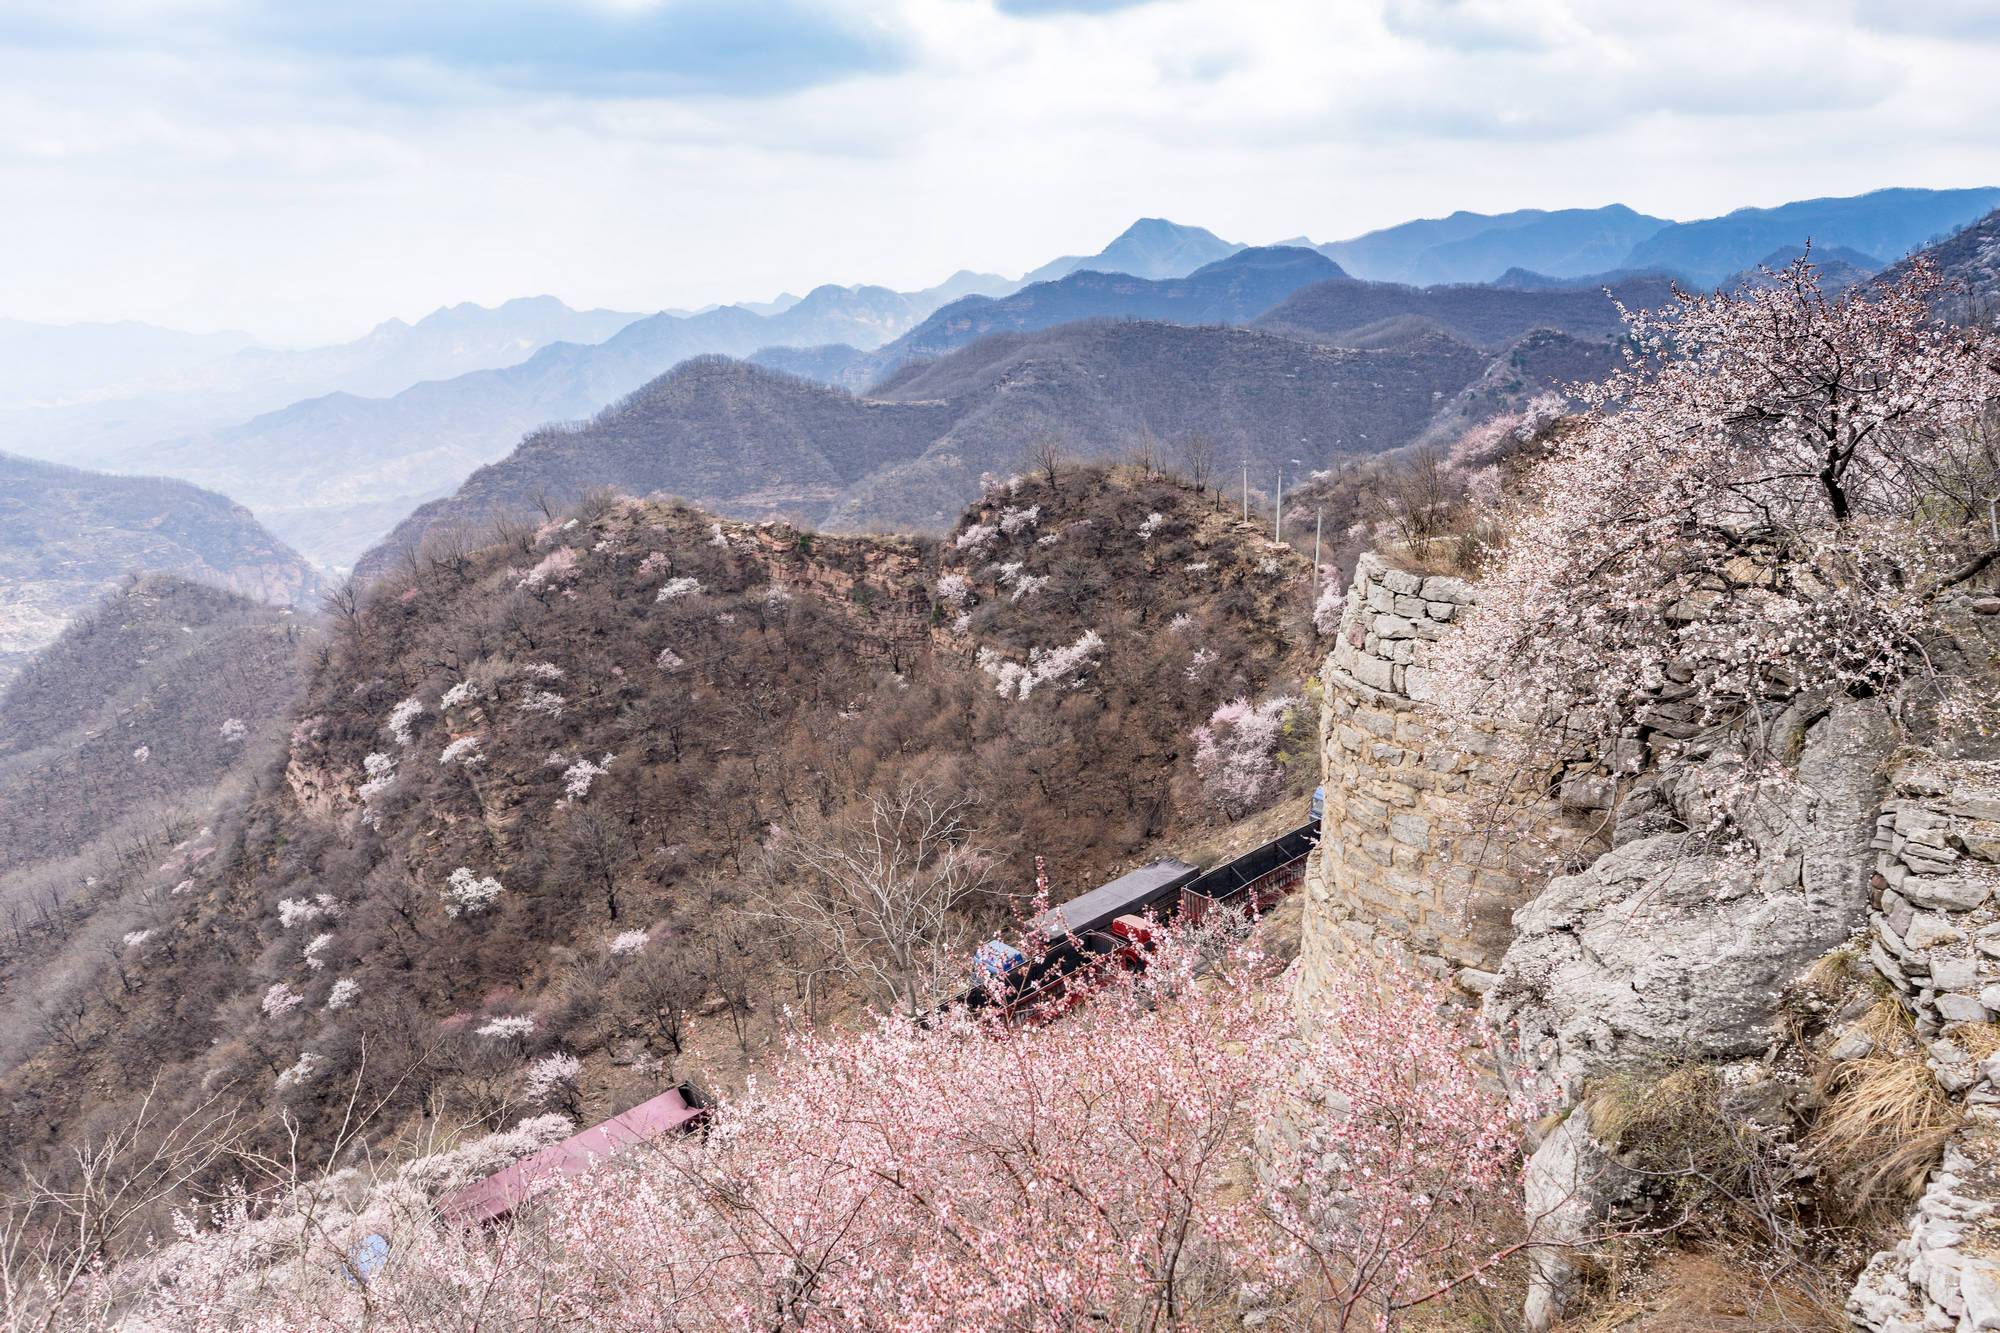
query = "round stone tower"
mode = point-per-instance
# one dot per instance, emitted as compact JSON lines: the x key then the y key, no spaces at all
{"x":1421,"y":847}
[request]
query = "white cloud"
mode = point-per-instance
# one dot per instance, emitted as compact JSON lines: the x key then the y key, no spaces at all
{"x":195,"y":162}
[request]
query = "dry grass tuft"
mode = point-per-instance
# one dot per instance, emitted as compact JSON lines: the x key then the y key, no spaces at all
{"x":1833,"y":974}
{"x":1979,"y":1039}
{"x":1883,"y":1123}
{"x":1890,"y":1025}
{"x":1715,"y":1294}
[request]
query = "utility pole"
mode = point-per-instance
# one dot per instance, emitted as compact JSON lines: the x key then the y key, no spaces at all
{"x":1246,"y":490}
{"x":1319,"y":520}
{"x":1278,"y":510}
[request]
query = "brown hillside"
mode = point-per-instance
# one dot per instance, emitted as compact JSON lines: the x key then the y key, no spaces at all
{"x":789,"y":675}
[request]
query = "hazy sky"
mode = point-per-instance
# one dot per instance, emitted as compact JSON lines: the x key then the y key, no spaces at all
{"x":304,"y":169}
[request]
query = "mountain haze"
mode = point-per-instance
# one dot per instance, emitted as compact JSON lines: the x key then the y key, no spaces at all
{"x":755,"y":444}
{"x":111,"y":415}
{"x":49,"y":364}
{"x":334,"y":472}
{"x":67,"y":537}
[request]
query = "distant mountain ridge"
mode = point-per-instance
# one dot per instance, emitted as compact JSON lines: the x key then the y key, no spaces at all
{"x":752,"y":443}
{"x":68,"y":536}
{"x":1233,"y":290}
{"x":1476,"y":247}
{"x":1149,"y":248}
{"x":1489,"y":317}
{"x":1615,"y":240}
{"x":1884,"y":224}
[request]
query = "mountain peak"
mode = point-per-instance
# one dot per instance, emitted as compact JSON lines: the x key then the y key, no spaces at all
{"x":1155,"y":227}
{"x":1149,"y":248}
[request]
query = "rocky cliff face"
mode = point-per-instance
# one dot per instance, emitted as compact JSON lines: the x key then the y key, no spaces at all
{"x":1661,"y":944}
{"x":1669,"y":942}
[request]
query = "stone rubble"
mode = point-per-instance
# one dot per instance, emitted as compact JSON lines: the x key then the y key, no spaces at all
{"x":1944,"y":1277}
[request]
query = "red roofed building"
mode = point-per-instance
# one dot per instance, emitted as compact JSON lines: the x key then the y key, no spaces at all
{"x":491,"y":1199}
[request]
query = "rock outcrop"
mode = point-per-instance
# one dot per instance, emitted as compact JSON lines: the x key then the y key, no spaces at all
{"x":1668,"y":942}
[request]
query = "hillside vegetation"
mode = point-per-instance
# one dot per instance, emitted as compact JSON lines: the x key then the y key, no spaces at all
{"x":118,"y":742}
{"x":541,"y":782}
{"x":1969,"y":263}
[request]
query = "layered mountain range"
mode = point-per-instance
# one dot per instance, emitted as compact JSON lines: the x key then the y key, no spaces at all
{"x":753,"y":443}
{"x":331,"y":447}
{"x":898,"y":439}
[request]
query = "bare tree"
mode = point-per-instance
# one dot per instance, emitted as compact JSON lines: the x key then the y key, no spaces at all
{"x":1145,"y":452}
{"x":1048,"y":456}
{"x":1197,"y":455}
{"x":879,"y":890}
{"x":60,"y":1226}
{"x":1420,"y":500}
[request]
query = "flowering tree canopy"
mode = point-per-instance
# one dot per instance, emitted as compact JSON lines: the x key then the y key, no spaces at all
{"x":404,"y":716}
{"x":551,"y":1078}
{"x":467,"y":894}
{"x":1174,"y":1153}
{"x":1236,"y":753}
{"x":1768,"y":501}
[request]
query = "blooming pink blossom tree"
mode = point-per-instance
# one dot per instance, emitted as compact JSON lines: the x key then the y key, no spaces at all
{"x":1771,"y":500}
{"x":1328,"y":609}
{"x":280,"y":1000}
{"x":1102,"y":1170}
{"x":1236,"y":752}
{"x":553,"y":1078}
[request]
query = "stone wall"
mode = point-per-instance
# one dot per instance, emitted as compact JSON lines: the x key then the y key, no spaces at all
{"x":1413,"y":850}
{"x":1935,"y":930}
{"x":1944,"y":1276}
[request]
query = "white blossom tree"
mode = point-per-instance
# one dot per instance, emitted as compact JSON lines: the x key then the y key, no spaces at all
{"x":1770,"y":501}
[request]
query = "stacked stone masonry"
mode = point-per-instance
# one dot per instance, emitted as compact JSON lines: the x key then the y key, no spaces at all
{"x":1935,"y":927}
{"x":1943,"y":1277}
{"x":1412,"y":853}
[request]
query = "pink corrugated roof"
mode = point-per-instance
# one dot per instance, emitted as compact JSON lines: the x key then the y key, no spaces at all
{"x":493,"y":1198}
